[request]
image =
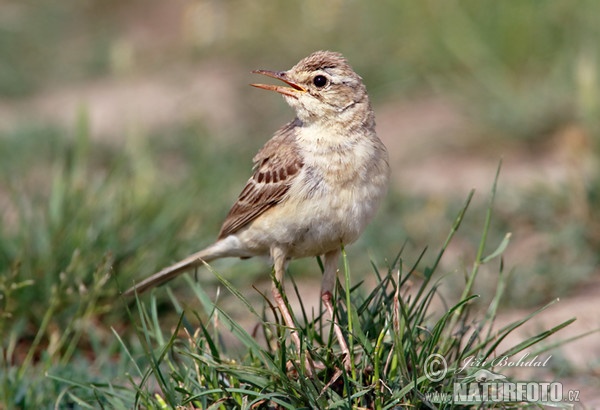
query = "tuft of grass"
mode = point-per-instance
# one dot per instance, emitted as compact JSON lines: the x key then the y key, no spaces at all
{"x":394,"y":330}
{"x":103,"y":208}
{"x":73,"y":220}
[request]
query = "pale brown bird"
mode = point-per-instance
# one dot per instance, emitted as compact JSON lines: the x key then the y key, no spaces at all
{"x":315,"y":186}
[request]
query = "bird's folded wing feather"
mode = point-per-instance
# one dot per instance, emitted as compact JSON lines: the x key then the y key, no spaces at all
{"x":275,"y":167}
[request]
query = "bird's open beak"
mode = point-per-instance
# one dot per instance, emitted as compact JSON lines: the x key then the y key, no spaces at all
{"x":291,"y":91}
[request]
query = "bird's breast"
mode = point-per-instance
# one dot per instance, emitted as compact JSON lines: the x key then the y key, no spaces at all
{"x":337,"y":194}
{"x":330,"y":201}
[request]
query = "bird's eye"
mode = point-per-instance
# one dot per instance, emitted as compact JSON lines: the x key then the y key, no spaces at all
{"x":320,"y":81}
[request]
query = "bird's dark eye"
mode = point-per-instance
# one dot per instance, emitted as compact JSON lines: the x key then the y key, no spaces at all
{"x":320,"y":81}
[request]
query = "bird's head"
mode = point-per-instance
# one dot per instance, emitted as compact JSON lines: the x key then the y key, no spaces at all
{"x":322,"y":87}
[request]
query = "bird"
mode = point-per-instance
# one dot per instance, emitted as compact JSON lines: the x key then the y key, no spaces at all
{"x":315,"y":184}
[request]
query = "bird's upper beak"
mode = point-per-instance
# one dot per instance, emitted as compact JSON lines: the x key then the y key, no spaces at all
{"x":293,"y":90}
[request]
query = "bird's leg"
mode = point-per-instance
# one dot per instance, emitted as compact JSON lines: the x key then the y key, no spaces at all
{"x":279,"y":262}
{"x":327,"y":287}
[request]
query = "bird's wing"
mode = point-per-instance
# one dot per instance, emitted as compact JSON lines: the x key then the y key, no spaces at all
{"x":275,"y":167}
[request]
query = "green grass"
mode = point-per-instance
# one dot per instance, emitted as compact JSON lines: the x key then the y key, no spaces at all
{"x":392,"y":331}
{"x":70,"y":340}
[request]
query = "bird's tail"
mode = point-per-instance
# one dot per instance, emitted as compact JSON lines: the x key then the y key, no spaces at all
{"x":206,"y":255}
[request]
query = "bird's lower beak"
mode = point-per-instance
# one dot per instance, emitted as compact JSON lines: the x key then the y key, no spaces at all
{"x":291,"y":91}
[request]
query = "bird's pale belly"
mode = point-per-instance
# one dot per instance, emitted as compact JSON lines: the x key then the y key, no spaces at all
{"x":315,"y":226}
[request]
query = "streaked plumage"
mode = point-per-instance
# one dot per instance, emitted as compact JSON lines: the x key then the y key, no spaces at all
{"x":315,"y":185}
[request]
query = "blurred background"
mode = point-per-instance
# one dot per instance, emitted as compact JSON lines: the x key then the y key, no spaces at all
{"x":127,"y":130}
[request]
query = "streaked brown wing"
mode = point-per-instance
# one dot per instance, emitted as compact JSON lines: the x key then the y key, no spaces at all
{"x":275,"y":167}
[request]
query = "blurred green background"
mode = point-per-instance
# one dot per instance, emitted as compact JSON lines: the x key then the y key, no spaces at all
{"x":127,"y":130}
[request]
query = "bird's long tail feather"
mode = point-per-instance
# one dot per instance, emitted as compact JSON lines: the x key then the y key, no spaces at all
{"x":168,"y":273}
